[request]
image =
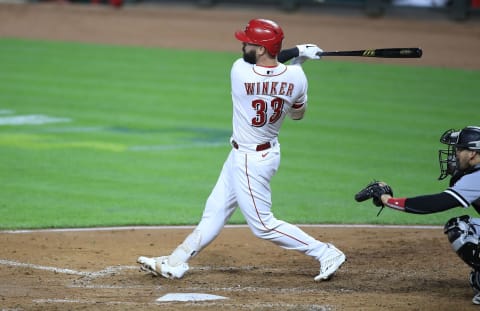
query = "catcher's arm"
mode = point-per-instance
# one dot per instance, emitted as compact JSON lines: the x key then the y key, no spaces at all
{"x":382,"y":195}
{"x":424,"y":204}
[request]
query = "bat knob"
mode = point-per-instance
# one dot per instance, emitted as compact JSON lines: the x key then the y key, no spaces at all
{"x":419,"y":52}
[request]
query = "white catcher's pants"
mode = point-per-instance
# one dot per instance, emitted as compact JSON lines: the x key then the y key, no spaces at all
{"x":245,"y":182}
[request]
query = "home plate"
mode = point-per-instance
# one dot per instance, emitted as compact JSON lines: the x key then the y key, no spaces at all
{"x":188,"y":297}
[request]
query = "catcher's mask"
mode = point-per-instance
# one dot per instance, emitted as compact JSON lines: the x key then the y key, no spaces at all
{"x":467,"y":138}
{"x":446,"y":157}
{"x":262,"y":32}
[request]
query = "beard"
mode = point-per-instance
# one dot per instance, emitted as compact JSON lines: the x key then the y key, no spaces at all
{"x":250,"y":57}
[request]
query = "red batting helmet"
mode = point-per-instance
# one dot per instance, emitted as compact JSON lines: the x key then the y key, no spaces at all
{"x":262,"y":32}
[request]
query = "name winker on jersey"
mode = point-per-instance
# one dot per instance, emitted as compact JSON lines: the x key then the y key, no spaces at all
{"x":269,"y":88}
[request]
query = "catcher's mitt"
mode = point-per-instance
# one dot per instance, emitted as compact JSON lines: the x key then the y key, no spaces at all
{"x":374,"y":190}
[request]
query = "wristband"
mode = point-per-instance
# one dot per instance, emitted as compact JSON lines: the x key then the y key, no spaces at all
{"x":397,"y":203}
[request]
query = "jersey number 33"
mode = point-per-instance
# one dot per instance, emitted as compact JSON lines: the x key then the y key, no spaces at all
{"x":261,"y":107}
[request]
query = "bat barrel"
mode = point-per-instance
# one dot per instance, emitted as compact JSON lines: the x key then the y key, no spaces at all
{"x":399,"y":53}
{"x":384,"y":53}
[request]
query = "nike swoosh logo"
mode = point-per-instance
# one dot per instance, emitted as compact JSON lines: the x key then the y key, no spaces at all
{"x":264,"y":154}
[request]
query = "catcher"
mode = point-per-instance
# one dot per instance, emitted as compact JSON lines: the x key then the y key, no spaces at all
{"x":461,"y":160}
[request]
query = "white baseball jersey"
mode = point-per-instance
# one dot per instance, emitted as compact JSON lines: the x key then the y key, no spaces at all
{"x":262,"y":97}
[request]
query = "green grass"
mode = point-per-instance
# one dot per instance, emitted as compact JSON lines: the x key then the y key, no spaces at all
{"x":145,"y":131}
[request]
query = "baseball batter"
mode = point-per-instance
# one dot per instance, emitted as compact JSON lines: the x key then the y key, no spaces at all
{"x":264,"y":91}
{"x":461,"y":160}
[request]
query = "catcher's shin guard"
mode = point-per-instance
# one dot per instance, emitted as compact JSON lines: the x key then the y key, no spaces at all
{"x":464,"y":240}
{"x":474,"y":280}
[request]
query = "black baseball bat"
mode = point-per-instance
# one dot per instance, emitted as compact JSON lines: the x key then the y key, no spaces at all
{"x":385,"y":53}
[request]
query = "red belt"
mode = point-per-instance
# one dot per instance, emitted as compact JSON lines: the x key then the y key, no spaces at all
{"x":260,"y":147}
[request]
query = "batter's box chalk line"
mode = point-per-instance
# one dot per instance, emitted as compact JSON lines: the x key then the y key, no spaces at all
{"x":92,"y":275}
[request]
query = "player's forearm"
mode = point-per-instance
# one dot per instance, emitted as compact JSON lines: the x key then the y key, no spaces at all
{"x":287,"y":54}
{"x":298,"y":111}
{"x":425,"y":204}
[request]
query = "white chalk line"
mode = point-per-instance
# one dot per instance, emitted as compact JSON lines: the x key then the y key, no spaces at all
{"x":86,"y":301}
{"x":89,"y":277}
{"x":190,"y":227}
{"x":105,"y":272}
{"x":111,"y":270}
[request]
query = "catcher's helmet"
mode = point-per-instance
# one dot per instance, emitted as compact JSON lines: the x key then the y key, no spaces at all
{"x":467,"y":138}
{"x":262,"y":32}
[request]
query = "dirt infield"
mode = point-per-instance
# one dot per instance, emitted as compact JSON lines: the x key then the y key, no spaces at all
{"x":388,"y":268}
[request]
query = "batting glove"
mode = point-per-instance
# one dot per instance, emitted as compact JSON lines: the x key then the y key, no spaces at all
{"x":309,"y":51}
